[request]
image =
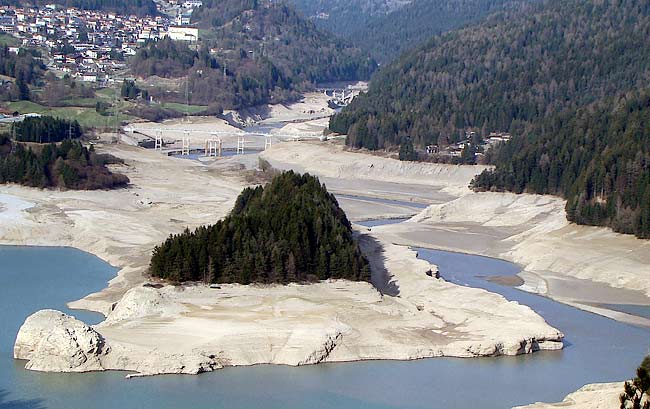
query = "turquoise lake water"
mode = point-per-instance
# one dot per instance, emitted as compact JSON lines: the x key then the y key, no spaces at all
{"x":597,"y":350}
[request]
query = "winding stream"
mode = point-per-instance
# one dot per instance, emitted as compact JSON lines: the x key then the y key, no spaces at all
{"x":597,"y":349}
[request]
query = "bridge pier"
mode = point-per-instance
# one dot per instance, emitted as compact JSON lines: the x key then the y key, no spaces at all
{"x":158,"y":145}
{"x":213,"y":147}
{"x":185,"y":149}
{"x":240,"y":145}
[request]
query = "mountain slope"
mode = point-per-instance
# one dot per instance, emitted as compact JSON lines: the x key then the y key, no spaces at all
{"x":386,"y":36}
{"x":344,"y":17}
{"x":598,"y":158}
{"x":277,"y":32}
{"x":516,"y":68}
{"x":250,"y":52}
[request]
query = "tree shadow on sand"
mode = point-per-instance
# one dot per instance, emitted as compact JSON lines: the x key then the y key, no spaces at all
{"x":19,"y":404}
{"x":380,"y":277}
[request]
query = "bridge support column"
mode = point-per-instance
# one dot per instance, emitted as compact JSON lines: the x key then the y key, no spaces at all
{"x":240,"y":145}
{"x":185,"y":149}
{"x":213,"y":147}
{"x":267,"y":142}
{"x":158,"y":145}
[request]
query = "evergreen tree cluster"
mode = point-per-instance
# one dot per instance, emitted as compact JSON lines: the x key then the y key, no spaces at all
{"x":67,"y":165}
{"x":513,"y":70}
{"x":26,"y":70}
{"x":597,"y":157}
{"x":407,"y":151}
{"x":45,"y":129}
{"x":635,"y":395}
{"x":291,"y":230}
{"x":130,"y":90}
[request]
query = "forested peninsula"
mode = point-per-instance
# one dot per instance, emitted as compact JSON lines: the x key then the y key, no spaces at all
{"x":291,"y":230}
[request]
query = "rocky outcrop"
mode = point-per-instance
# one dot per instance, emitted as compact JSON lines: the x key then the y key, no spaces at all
{"x":321,"y":355}
{"x":594,"y":396}
{"x":55,"y":342}
{"x":141,"y":302}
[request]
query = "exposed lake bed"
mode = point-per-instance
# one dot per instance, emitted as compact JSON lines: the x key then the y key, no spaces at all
{"x":350,"y":393}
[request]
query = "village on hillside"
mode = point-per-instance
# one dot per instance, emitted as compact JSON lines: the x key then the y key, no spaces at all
{"x":90,"y":45}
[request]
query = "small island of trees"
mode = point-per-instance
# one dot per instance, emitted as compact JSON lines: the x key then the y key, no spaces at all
{"x":291,"y":230}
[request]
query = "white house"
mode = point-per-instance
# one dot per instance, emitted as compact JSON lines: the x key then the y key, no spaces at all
{"x":183,"y":33}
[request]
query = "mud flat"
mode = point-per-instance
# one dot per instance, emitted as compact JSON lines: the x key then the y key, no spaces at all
{"x":194,"y":329}
{"x":120,"y":226}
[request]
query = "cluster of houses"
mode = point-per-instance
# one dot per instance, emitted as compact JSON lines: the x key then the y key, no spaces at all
{"x":89,"y":45}
{"x":455,"y":150}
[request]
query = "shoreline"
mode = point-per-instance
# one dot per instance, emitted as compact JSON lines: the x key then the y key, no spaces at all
{"x":121,"y":228}
{"x":524,"y":276}
{"x":156,"y":204}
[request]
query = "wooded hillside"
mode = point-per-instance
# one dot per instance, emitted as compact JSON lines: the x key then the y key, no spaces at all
{"x":505,"y":74}
{"x":598,"y":158}
{"x":386,"y":36}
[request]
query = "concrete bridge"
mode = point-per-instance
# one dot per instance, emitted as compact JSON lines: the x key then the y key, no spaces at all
{"x":213,"y":144}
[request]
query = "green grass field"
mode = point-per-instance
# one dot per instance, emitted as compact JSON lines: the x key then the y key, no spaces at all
{"x":87,"y":117}
{"x":184,"y":109}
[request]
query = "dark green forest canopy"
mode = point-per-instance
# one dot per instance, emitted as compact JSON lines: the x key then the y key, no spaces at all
{"x":598,"y":158}
{"x":386,"y":36}
{"x":291,"y":230}
{"x":68,"y":165}
{"x":45,"y":129}
{"x":515,"y":69}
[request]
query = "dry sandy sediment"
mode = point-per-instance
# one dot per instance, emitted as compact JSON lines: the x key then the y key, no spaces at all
{"x":579,"y":265}
{"x":194,"y":329}
{"x":313,"y":105}
{"x":306,"y":118}
{"x":121,"y":226}
{"x":594,"y":396}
